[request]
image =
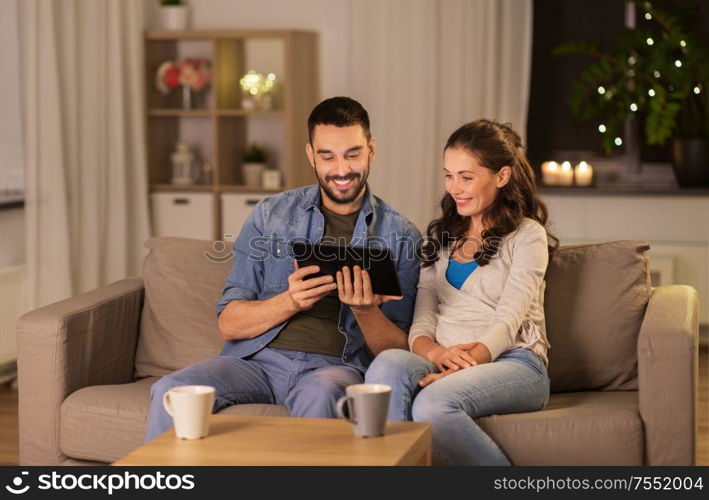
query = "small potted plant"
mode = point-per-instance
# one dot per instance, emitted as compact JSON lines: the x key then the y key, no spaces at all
{"x":254,"y":163}
{"x":174,"y":15}
{"x":658,"y":71}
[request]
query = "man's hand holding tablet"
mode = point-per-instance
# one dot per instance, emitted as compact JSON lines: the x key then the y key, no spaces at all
{"x":365,"y":276}
{"x":355,"y":289}
{"x":306,"y":292}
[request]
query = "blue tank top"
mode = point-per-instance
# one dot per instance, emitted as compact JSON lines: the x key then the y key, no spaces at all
{"x":457,"y":272}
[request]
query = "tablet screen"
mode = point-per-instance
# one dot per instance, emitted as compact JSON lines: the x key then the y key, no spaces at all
{"x":331,"y":258}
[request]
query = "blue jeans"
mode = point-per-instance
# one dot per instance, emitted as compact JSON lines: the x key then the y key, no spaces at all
{"x":515,"y":382}
{"x":308,"y":384}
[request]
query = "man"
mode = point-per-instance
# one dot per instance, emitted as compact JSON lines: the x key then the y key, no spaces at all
{"x":293,"y":339}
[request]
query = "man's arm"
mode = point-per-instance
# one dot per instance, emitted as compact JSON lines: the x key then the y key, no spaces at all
{"x":246,"y":319}
{"x":380,"y":333}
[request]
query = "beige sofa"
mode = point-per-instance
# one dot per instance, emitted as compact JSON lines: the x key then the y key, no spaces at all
{"x":623,"y":362}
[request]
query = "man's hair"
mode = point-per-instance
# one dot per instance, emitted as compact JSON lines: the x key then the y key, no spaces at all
{"x":340,"y":112}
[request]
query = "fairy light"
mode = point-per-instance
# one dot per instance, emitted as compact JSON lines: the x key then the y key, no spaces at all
{"x":656,"y":74}
{"x":648,"y":16}
{"x":650,"y":41}
{"x":601,"y":128}
{"x":683,"y":43}
{"x":651,"y":92}
{"x":618,"y":141}
{"x":601,"y":90}
{"x":633,"y":107}
{"x":678,"y":63}
{"x":697,"y":90}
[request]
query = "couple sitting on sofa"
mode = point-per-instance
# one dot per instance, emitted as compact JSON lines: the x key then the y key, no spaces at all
{"x":454,"y":347}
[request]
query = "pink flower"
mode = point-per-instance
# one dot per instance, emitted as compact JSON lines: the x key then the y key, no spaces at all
{"x":193,"y":72}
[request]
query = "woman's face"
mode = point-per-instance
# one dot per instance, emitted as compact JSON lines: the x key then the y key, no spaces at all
{"x":472,"y":186}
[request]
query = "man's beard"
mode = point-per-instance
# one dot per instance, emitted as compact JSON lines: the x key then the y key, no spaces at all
{"x":359,"y":184}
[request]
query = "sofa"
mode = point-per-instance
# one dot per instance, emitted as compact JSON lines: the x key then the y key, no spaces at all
{"x":622,"y":363}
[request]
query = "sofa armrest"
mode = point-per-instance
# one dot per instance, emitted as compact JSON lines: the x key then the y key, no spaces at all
{"x":667,"y":375}
{"x":85,"y":340}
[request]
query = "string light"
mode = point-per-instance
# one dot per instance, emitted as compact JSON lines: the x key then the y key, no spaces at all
{"x":678,"y":63}
{"x":618,"y":141}
{"x":631,"y":60}
{"x":648,"y":16}
{"x":601,"y":128}
{"x":683,"y":43}
{"x":601,"y":90}
{"x":656,"y":74}
{"x":651,"y":92}
{"x":650,"y":41}
{"x":633,"y":107}
{"x":697,"y":90}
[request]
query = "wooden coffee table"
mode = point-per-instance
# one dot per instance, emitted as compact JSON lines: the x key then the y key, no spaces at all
{"x":247,"y":440}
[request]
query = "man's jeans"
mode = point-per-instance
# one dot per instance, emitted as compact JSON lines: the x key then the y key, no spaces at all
{"x":515,"y":382}
{"x":308,"y":384}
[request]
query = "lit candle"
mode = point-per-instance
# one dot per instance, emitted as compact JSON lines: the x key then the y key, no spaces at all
{"x":566,"y":174}
{"x":550,"y":173}
{"x":583,"y":174}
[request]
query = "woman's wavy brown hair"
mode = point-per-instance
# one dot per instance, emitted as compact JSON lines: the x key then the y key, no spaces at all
{"x":495,"y":145}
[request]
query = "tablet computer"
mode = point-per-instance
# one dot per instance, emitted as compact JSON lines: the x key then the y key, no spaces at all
{"x":331,"y":258}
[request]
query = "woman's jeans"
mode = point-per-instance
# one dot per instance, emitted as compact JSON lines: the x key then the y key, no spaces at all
{"x":515,"y":382}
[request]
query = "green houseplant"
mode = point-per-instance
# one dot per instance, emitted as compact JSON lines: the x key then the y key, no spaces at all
{"x":254,"y":163}
{"x":660,"y":70}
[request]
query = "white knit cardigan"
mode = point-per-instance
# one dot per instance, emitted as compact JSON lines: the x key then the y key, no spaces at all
{"x":500,"y":305}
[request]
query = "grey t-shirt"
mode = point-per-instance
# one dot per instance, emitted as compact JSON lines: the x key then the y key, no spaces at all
{"x":316,"y":330}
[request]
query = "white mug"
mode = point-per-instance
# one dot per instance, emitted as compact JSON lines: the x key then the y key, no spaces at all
{"x":190,"y":407}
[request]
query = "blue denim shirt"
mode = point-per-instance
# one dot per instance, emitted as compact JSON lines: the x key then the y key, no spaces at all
{"x":263,"y":261}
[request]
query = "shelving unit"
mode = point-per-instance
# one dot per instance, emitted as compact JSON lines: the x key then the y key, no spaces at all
{"x":219,"y":126}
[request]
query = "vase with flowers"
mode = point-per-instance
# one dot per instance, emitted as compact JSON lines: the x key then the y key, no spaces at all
{"x":192,"y":75}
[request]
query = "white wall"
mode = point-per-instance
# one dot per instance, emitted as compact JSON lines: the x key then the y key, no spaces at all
{"x":12,"y":237}
{"x":12,"y":230}
{"x":11,"y":166}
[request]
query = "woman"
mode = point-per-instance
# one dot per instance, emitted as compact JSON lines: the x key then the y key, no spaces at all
{"x":478,"y":342}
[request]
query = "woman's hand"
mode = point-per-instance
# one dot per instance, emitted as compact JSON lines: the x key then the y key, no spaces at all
{"x":355,"y":289}
{"x":453,"y":357}
{"x":432,"y":377}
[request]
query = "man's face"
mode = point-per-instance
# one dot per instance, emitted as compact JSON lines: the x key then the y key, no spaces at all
{"x":341,"y":157}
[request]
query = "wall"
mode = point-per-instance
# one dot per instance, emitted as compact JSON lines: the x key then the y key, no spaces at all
{"x":12,"y":234}
{"x":11,"y":170}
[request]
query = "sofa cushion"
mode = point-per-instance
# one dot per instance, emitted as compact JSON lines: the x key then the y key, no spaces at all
{"x":582,"y":428}
{"x":595,"y":300}
{"x":182,"y":287}
{"x":106,"y":422}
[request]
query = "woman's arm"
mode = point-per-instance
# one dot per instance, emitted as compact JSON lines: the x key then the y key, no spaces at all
{"x":530,"y":257}
{"x":425,"y":319}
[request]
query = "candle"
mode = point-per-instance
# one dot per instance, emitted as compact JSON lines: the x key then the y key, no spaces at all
{"x":583,"y":174}
{"x":566,"y":174}
{"x":550,"y":173}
